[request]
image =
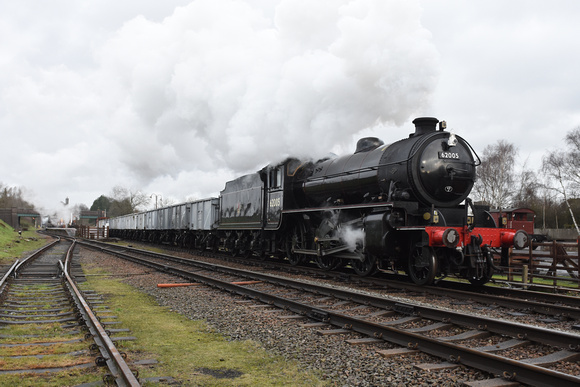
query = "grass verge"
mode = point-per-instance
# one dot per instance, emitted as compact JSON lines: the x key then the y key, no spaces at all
{"x":13,"y":246}
{"x":188,"y":350}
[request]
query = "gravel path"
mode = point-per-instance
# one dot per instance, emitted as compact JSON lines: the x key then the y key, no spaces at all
{"x":342,"y":364}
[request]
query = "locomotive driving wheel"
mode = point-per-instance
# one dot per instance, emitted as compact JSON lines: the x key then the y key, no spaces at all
{"x":422,"y":265}
{"x":328,"y":262}
{"x":366,"y":267}
{"x":296,"y":240}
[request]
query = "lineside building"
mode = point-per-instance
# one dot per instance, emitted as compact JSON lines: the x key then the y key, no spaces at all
{"x":13,"y":216}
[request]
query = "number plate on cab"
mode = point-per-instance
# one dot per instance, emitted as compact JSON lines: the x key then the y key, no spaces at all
{"x":449,"y":155}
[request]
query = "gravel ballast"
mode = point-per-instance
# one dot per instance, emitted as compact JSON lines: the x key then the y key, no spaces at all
{"x":339,"y":363}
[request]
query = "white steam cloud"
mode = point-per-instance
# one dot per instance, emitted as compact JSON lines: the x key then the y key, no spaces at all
{"x":352,"y":237}
{"x":92,"y":97}
{"x":222,"y":84}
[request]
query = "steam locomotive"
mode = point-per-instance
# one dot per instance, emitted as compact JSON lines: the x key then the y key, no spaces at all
{"x":398,"y":207}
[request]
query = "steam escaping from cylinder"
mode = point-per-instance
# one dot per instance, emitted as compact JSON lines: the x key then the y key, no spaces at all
{"x":352,"y":237}
{"x":349,"y":233}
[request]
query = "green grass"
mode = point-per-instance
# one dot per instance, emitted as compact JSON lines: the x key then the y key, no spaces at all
{"x":188,"y":350}
{"x":538,"y":281}
{"x":48,"y":361}
{"x":14,"y":246}
{"x":72,"y":377}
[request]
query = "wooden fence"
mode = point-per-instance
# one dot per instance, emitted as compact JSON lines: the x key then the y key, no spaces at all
{"x":551,"y":262}
{"x":92,"y":232}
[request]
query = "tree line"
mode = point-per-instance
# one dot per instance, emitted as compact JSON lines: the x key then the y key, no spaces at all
{"x":552,"y":191}
{"x":13,"y":197}
{"x":121,"y":201}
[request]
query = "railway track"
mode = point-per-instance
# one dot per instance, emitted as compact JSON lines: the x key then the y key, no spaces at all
{"x":519,"y":352}
{"x":545,"y":307}
{"x":47,"y":324}
{"x":558,"y":305}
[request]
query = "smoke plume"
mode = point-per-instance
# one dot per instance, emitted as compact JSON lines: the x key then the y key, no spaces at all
{"x":181,"y":99}
{"x":221,"y":83}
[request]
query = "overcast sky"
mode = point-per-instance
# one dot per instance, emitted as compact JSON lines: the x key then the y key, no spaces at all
{"x":175,"y":97}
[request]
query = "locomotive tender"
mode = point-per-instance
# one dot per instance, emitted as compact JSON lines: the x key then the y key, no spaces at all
{"x":402,"y":206}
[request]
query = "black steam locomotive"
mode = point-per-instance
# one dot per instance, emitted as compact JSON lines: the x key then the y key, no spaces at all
{"x":402,"y":206}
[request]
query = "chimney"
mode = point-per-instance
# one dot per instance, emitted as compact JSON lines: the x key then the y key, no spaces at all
{"x":424,"y":125}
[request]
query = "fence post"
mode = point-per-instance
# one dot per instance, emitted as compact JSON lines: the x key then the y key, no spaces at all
{"x":505,"y":261}
{"x":531,"y":262}
{"x":554,"y":267}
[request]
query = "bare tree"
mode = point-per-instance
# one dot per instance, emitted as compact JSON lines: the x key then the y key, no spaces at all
{"x":547,"y":208}
{"x":571,"y":167}
{"x":126,"y":201}
{"x":166,"y":202}
{"x":564,"y":168}
{"x":496,"y":176}
{"x":526,"y":193}
{"x":556,"y":165}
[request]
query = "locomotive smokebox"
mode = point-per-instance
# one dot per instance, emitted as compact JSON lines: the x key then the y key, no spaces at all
{"x":424,"y":125}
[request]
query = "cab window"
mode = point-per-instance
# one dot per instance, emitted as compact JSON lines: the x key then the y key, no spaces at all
{"x":275,"y":177}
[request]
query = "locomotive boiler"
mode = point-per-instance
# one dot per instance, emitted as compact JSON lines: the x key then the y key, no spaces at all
{"x":431,"y":167}
{"x":398,"y":207}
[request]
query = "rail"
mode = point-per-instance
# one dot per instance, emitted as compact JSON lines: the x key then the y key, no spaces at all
{"x":549,"y":264}
{"x":13,"y":270}
{"x":121,"y":372}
